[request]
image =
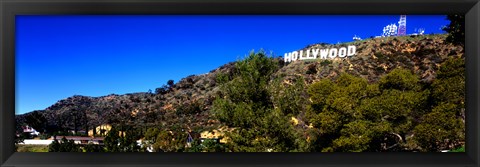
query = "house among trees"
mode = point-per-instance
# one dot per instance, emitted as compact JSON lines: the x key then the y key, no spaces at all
{"x":30,"y":130}
{"x":100,"y":130}
{"x":215,"y":135}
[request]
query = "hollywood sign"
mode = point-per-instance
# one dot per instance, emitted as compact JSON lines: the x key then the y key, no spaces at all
{"x":320,"y":53}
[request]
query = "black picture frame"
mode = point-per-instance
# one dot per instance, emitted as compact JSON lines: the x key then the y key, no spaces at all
{"x":10,"y":8}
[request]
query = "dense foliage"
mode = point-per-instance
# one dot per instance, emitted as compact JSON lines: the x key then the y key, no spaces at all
{"x":245,"y":103}
{"x":64,"y":146}
{"x":349,"y":114}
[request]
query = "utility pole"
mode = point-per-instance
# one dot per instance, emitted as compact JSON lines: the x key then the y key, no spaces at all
{"x":402,"y":25}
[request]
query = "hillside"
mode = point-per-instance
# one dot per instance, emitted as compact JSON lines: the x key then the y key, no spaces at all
{"x":187,"y":104}
{"x":378,"y":56}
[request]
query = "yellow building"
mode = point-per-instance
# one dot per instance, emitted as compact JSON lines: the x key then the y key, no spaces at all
{"x":103,"y":130}
{"x":216,"y":134}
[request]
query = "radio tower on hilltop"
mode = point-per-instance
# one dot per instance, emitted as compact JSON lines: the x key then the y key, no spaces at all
{"x":402,"y":25}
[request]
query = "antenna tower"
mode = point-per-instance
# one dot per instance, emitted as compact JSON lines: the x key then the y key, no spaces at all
{"x":402,"y":25}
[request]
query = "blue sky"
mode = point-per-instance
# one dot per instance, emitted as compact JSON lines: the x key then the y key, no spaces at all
{"x":61,"y":56}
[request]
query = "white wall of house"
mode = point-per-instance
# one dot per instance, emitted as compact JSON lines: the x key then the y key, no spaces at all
{"x":37,"y":142}
{"x":47,"y":142}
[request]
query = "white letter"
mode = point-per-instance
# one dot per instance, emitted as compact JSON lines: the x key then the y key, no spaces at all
{"x":342,"y":52}
{"x":308,"y":55}
{"x":333,"y":53}
{"x":315,"y":53}
{"x":294,"y":55}
{"x":287,"y":57}
{"x":301,"y":55}
{"x":351,"y":50}
{"x":323,"y":53}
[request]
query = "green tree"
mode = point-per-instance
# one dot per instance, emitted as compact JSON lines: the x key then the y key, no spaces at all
{"x":290,"y":98}
{"x":347,"y":95}
{"x":17,"y":140}
{"x":402,"y":101}
{"x":449,"y":86}
{"x":164,"y":142}
{"x":360,"y":135}
{"x":122,"y":142}
{"x":170,"y":83}
{"x":151,"y":136}
{"x":351,"y":115}
{"x":112,"y":141}
{"x":170,"y":141}
{"x":456,"y":29}
{"x":210,"y":145}
{"x":444,"y":127}
{"x":245,"y":103}
{"x":64,"y":146}
{"x":319,"y":91}
{"x":439,"y":130}
{"x":221,"y":78}
{"x":334,"y":104}
{"x":90,"y":147}
{"x":128,"y":141}
{"x":400,"y":79}
{"x":196,"y":146}
{"x":54,"y":146}
{"x":246,"y":96}
{"x":162,"y":90}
